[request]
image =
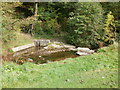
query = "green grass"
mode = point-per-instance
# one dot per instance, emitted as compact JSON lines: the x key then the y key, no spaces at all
{"x":0,"y":78}
{"x":21,"y":39}
{"x":99,"y":70}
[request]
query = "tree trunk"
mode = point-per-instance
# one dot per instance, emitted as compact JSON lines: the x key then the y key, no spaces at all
{"x":100,"y":44}
{"x":35,"y":8}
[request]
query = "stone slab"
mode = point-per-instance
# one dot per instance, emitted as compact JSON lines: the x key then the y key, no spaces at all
{"x":16,"y":49}
{"x":83,"y":49}
{"x":69,"y":46}
{"x":41,"y":42}
{"x":82,"y":53}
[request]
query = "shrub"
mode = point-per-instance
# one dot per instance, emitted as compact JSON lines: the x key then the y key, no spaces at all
{"x":109,"y":28}
{"x":51,"y":27}
{"x":85,"y":25}
{"x":38,"y":30}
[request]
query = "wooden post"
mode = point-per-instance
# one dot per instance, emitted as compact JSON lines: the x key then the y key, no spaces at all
{"x":30,"y":29}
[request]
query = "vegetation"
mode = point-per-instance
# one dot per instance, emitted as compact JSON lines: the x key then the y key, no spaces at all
{"x":114,"y":8}
{"x":0,"y":69}
{"x":80,"y":24}
{"x":110,"y":28}
{"x":99,"y":70}
{"x":86,"y":24}
{"x":83,"y":24}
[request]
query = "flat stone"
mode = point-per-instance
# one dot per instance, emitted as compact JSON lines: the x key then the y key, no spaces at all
{"x":73,"y":49}
{"x":69,"y":46}
{"x":30,"y":60}
{"x":82,"y":53}
{"x":46,"y":47}
{"x":83,"y":49}
{"x":91,"y":51}
{"x":16,"y":49}
{"x":41,"y":42}
{"x":40,"y":56}
{"x":53,"y":46}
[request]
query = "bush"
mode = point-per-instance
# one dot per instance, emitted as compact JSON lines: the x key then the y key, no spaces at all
{"x":38,"y":30}
{"x":86,"y":25}
{"x":50,"y":27}
{"x":110,"y":28}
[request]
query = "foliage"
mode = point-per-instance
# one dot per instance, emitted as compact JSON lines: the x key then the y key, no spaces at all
{"x":38,"y":30}
{"x":0,"y":48}
{"x":117,"y":25}
{"x":99,"y":70}
{"x":52,"y":15}
{"x":24,"y":10}
{"x":50,"y":27}
{"x":114,"y":8}
{"x":86,"y":25}
{"x":63,"y":9}
{"x":110,"y":28}
{"x":10,"y":31}
{"x":8,"y":36}
{"x":55,"y":10}
{"x":46,"y":12}
{"x":26,"y":24}
{"x":0,"y":21}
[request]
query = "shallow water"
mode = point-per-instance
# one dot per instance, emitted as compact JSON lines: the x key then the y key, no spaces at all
{"x":40,"y":55}
{"x":57,"y":56}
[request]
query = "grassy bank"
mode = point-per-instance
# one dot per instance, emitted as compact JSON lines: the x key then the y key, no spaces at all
{"x":20,"y":39}
{"x":99,"y":70}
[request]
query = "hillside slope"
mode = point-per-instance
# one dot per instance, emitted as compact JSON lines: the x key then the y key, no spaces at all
{"x":99,"y":70}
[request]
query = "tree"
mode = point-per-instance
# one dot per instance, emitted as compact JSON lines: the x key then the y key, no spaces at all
{"x":114,"y":8}
{"x":110,"y":28}
{"x":35,"y":8}
{"x":86,"y":25}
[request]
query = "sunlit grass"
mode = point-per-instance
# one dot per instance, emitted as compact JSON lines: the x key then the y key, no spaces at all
{"x":21,"y":39}
{"x":99,"y":70}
